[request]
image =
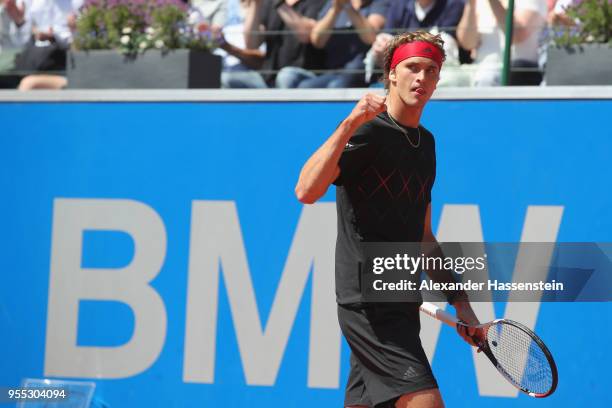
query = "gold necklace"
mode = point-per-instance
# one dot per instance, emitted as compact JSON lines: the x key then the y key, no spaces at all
{"x":406,"y":133}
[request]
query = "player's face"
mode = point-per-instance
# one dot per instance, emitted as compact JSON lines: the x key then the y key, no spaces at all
{"x":415,"y":80}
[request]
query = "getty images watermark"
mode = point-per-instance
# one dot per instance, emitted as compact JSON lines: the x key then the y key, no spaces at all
{"x":408,"y":272}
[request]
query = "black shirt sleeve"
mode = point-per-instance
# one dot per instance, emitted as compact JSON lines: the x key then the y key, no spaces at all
{"x":358,"y":154}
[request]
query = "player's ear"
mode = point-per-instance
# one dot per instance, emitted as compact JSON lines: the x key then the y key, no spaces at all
{"x":392,"y":76}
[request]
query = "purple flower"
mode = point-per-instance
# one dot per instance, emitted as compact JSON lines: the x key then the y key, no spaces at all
{"x":169,"y":17}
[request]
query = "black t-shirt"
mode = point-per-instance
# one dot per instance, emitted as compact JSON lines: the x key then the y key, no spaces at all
{"x":382,"y":194}
{"x":285,"y":50}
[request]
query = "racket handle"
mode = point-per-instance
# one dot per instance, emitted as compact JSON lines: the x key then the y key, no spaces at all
{"x":440,"y":314}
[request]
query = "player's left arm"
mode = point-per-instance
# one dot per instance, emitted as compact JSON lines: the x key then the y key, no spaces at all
{"x":460,"y":301}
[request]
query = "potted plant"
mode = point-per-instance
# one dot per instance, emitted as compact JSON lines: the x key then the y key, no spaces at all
{"x":581,"y":49}
{"x":141,"y":44}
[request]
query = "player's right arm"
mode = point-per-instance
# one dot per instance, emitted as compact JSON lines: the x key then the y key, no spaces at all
{"x":322,"y":169}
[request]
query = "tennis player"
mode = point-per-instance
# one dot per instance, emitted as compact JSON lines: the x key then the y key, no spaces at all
{"x":383,"y":164}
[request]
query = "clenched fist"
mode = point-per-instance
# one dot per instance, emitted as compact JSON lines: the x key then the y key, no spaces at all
{"x":367,"y":108}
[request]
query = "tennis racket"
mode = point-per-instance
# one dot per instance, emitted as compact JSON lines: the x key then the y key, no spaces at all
{"x":516,"y":351}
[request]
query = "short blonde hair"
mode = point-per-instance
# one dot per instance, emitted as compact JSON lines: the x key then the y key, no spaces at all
{"x":405,"y":38}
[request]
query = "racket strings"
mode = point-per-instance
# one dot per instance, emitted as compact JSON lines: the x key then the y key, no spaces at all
{"x":521,"y":357}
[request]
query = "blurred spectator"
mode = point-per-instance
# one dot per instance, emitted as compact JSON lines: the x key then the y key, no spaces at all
{"x":42,"y":81}
{"x":52,"y":23}
{"x":239,"y":63}
{"x":413,"y":15}
{"x":425,"y":14}
{"x":481,"y":30}
{"x":453,"y":73}
{"x":290,"y":48}
{"x":14,"y":33}
{"x":210,"y":12}
{"x":361,"y":19}
{"x":557,"y":16}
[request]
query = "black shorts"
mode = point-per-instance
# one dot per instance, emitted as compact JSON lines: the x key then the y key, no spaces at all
{"x":387,"y":359}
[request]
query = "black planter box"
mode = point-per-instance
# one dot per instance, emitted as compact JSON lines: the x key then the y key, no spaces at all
{"x":176,"y":69}
{"x":586,"y":64}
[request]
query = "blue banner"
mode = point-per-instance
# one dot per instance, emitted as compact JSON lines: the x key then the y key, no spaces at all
{"x":158,"y":250}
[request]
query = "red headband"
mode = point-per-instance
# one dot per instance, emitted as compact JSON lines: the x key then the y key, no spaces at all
{"x":417,"y":49}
